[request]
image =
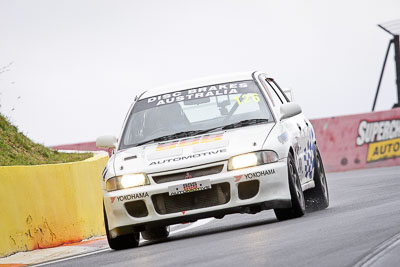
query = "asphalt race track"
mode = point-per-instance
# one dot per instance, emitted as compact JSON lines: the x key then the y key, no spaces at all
{"x":361,"y":227}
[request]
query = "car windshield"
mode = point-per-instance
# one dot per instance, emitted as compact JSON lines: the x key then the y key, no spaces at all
{"x":194,"y":111}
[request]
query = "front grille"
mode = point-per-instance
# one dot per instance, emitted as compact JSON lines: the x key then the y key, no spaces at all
{"x":136,"y":208}
{"x":159,"y":179}
{"x":218,"y":194}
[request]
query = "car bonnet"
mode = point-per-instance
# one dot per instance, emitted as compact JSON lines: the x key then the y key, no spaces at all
{"x":191,"y":151}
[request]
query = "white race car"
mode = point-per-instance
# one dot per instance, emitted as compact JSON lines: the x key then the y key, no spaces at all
{"x":208,"y":148}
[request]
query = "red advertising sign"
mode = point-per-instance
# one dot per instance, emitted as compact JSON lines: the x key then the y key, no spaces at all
{"x":366,"y":140}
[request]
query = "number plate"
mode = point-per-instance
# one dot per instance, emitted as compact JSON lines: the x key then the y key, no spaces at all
{"x":189,"y":187}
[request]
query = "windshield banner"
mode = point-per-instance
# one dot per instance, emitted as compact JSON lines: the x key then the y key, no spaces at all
{"x":241,"y":87}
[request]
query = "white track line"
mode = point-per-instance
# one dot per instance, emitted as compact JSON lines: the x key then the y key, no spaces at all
{"x":191,"y":226}
{"x":72,"y":257}
{"x":379,"y":251}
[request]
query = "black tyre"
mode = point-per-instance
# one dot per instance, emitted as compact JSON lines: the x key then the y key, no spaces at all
{"x":156,"y":233}
{"x":317,"y":198}
{"x":296,"y":192}
{"x":123,"y":241}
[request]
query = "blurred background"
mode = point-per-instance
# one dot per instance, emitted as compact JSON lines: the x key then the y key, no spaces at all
{"x":69,"y":70}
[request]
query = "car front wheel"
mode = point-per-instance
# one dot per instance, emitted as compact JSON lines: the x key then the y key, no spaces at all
{"x":317,"y":198}
{"x":296,"y":192}
{"x":123,"y":241}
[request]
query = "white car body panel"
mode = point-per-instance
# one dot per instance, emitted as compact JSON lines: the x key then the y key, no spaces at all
{"x":293,"y":134}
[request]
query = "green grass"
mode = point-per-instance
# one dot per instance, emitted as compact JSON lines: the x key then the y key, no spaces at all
{"x":17,"y":149}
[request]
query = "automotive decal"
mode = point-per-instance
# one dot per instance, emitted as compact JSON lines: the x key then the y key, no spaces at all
{"x":193,"y":156}
{"x":190,"y":141}
{"x":382,"y":138}
{"x":130,"y":197}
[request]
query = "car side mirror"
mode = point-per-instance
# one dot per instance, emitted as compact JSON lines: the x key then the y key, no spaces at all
{"x":106,"y":141}
{"x":289,"y":110}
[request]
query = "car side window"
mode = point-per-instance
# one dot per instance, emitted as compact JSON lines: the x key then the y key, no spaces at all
{"x":270,"y":92}
{"x":272,"y":84}
{"x":279,"y":89}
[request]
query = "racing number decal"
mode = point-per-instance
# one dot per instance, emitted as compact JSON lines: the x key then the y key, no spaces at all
{"x":248,"y":98}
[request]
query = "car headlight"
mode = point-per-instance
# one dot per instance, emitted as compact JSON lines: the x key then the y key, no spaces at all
{"x":127,"y":181}
{"x":252,"y":159}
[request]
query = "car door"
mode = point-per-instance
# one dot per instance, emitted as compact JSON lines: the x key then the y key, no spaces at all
{"x":300,"y":129}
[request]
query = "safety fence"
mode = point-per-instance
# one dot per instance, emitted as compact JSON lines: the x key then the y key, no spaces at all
{"x":44,"y":206}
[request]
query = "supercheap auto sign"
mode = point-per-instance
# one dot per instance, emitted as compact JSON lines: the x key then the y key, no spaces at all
{"x":382,"y":137}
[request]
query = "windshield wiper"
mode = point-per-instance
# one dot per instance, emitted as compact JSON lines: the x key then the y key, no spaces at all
{"x":244,"y":123}
{"x":197,"y":132}
{"x":232,"y":125}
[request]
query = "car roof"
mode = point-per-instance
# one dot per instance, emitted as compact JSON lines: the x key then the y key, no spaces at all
{"x":198,"y":83}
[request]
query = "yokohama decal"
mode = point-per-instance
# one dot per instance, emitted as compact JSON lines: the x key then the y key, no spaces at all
{"x":130,"y":197}
{"x":252,"y":175}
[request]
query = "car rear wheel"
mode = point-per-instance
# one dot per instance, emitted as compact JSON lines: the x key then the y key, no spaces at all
{"x":296,"y":192}
{"x":317,"y":198}
{"x":120,"y":242}
{"x":156,"y":233}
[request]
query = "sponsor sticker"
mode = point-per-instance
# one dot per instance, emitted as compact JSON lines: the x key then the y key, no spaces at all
{"x":283,"y":138}
{"x":382,"y":137}
{"x":130,"y":197}
{"x":193,"y":156}
{"x":190,"y":141}
{"x":253,"y":175}
{"x":225,"y":89}
{"x":189,"y":187}
{"x":247,"y":98}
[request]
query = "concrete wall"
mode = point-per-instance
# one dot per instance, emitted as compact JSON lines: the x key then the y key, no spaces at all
{"x":48,"y":205}
{"x":367,"y":140}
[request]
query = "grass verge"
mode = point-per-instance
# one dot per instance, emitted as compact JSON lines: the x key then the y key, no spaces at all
{"x":17,"y":149}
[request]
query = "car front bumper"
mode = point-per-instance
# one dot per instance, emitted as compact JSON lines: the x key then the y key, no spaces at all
{"x":246,"y":190}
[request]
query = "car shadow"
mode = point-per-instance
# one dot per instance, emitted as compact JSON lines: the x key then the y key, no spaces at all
{"x":210,"y":231}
